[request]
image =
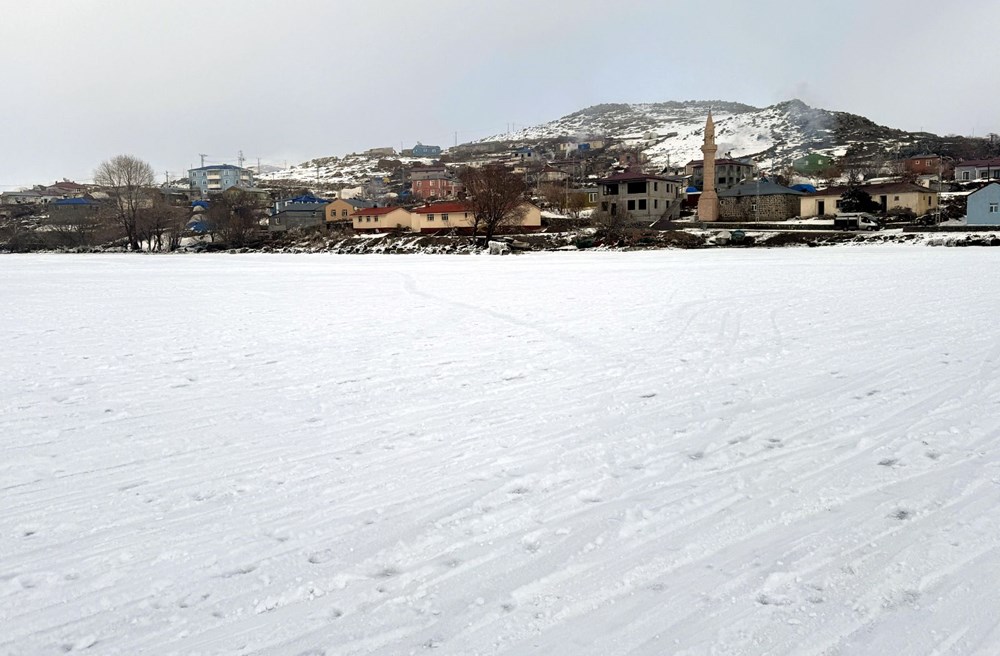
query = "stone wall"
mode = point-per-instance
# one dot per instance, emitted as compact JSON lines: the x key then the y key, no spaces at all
{"x":775,"y":207}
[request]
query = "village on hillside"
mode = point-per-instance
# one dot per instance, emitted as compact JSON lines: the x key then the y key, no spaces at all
{"x":601,"y":189}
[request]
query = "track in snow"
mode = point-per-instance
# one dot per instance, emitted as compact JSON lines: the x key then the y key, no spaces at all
{"x":727,"y":452}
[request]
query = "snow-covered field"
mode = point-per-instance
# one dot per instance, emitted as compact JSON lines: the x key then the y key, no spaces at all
{"x":789,"y":451}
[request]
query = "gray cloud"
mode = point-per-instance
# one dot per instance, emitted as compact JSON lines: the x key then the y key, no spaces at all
{"x":294,"y":79}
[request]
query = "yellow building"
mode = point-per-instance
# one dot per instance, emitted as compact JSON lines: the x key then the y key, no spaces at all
{"x":891,"y":195}
{"x":340,"y":210}
{"x":380,"y":219}
{"x":448,"y":216}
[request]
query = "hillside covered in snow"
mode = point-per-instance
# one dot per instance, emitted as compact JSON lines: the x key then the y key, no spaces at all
{"x":669,"y":134}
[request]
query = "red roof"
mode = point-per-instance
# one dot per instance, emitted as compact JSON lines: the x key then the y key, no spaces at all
{"x":981,"y":162}
{"x":375,"y":211}
{"x":443,"y":208}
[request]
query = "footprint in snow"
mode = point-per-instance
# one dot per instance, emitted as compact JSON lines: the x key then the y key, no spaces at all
{"x":888,"y":462}
{"x":902,"y":514}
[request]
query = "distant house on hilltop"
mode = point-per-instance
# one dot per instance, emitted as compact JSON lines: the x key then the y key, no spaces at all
{"x":381,"y":152}
{"x":66,"y":189}
{"x":812,"y":164}
{"x":421,"y":150}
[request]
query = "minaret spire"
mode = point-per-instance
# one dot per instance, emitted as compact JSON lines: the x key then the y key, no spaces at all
{"x":708,"y":202}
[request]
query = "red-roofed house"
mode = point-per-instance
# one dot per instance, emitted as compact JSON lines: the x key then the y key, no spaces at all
{"x":433,"y":182}
{"x":978,"y":169}
{"x":380,"y":219}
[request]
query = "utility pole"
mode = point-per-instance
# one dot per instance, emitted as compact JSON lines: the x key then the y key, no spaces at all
{"x":202,"y":156}
{"x":258,"y":166}
{"x":166,"y":178}
{"x":239,"y":158}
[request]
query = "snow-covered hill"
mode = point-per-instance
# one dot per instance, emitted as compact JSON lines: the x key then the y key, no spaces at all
{"x":672,"y":132}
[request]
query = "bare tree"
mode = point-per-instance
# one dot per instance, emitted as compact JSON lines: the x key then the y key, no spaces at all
{"x":576,"y":203}
{"x":235,"y":216}
{"x":555,"y":195}
{"x":497,"y":197}
{"x":128,"y":180}
{"x":160,"y":220}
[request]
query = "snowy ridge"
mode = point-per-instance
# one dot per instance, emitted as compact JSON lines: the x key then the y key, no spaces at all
{"x":669,"y":133}
{"x":673,"y":132}
{"x":736,"y":456}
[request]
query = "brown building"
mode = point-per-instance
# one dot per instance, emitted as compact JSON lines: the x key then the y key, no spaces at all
{"x":925,"y":164}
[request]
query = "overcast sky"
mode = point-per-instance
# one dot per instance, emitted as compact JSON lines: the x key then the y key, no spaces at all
{"x":288,"y":80}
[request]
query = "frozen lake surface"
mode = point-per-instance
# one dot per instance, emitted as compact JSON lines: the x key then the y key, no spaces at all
{"x":676,"y":452}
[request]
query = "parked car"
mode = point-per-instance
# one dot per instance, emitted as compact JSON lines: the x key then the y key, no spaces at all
{"x":859,"y":221}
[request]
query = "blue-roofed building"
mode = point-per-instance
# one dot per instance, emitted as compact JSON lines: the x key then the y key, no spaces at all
{"x":305,"y":211}
{"x":219,"y":177}
{"x":420,"y":150}
{"x":71,"y":210}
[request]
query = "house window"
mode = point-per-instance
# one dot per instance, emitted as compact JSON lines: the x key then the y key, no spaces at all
{"x":376,"y":219}
{"x":994,"y":208}
{"x":430,"y":217}
{"x":444,"y":217}
{"x":895,"y":197}
{"x":631,"y":205}
{"x":343,"y":212}
{"x":604,"y":207}
{"x":656,"y":186}
{"x":636,"y":187}
{"x":642,"y":203}
{"x":656,"y":204}
{"x":982,"y":174}
{"x":965,"y":175}
{"x":368,"y":219}
{"x":753,"y":207}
